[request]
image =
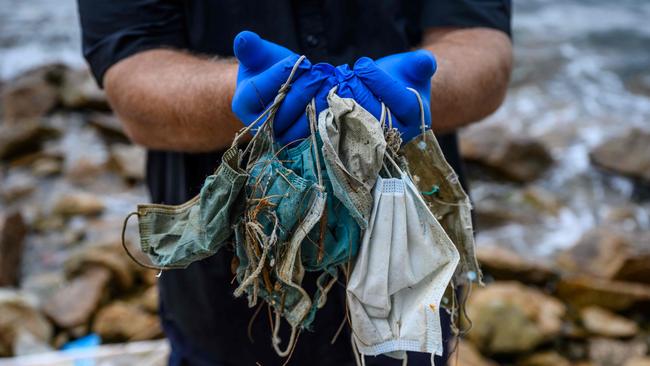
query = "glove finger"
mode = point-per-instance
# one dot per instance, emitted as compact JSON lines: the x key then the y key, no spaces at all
{"x":297,"y":130}
{"x":300,"y":128}
{"x":401,"y":101}
{"x":257,"y":54}
{"x":321,"y":96}
{"x":302,"y":91}
{"x":253,"y":95}
{"x":350,"y":86}
{"x":416,"y":67}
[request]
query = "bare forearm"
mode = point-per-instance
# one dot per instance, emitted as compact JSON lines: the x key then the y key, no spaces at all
{"x":473,"y":72}
{"x":172,"y":100}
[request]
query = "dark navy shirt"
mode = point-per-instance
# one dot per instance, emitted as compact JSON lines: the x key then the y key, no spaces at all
{"x":199,"y":313}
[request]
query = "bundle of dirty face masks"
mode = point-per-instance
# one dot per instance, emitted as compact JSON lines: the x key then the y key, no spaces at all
{"x":389,"y":222}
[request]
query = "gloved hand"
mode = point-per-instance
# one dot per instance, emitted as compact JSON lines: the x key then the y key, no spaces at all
{"x":263,"y":68}
{"x":388,"y":79}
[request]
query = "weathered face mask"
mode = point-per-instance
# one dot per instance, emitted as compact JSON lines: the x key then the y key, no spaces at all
{"x":404,"y":265}
{"x":283,"y":207}
{"x":174,"y":236}
{"x":446,"y":198}
{"x":353,"y":152}
{"x":336,"y":239}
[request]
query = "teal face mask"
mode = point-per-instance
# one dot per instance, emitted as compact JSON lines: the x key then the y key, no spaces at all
{"x":174,"y":236}
{"x":282,"y":208}
{"x":336,"y":239}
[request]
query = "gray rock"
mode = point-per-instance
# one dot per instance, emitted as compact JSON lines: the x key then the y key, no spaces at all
{"x":78,"y":203}
{"x":23,"y":138}
{"x":546,"y":358}
{"x":504,"y":264}
{"x":19,"y":318}
{"x":129,"y":160}
{"x":47,"y":167}
{"x":610,"y":253}
{"x":78,"y":90}
{"x":110,"y":256}
{"x":518,"y":158}
{"x":32,"y":94}
{"x":610,"y":352}
{"x":17,"y":185}
{"x":121,"y":321}
{"x":582,"y":291}
{"x":509,"y":317}
{"x":467,"y":355}
{"x":604,"y":323}
{"x":12,"y":235}
{"x":108,"y":124}
{"x":74,"y":304}
{"x":638,"y":361}
{"x":628,"y":155}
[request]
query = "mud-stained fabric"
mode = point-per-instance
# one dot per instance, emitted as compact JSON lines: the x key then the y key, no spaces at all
{"x":404,"y":265}
{"x":353,"y":151}
{"x":176,"y":236}
{"x":446,"y":198}
{"x":281,"y":209}
{"x":337,"y":238}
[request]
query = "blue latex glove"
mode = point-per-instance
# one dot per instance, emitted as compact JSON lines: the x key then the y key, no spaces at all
{"x":263,"y":68}
{"x":388,"y":79}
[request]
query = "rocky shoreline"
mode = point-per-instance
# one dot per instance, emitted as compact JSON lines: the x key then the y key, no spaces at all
{"x":68,"y":176}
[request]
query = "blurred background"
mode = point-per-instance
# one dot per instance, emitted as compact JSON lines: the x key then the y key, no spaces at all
{"x":560,"y":179}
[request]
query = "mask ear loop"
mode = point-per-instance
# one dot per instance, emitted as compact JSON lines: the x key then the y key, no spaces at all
{"x":382,"y":116}
{"x":423,"y":125}
{"x":311,"y":117}
{"x":387,"y":154}
{"x":275,"y":340}
{"x":382,"y":122}
{"x":133,"y":258}
{"x":313,"y":127}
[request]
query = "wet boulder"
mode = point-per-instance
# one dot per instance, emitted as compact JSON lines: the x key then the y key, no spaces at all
{"x":547,"y":358}
{"x":628,"y":154}
{"x":122,"y":321}
{"x":78,"y":203}
{"x":518,"y":158}
{"x":23,"y":138}
{"x":79,"y":90}
{"x":20,"y":320}
{"x":604,"y":323}
{"x":509,"y":317}
{"x":129,"y":161}
{"x":611,"y":352}
{"x":16,"y":185}
{"x":75,"y":303}
{"x":12,"y":235}
{"x":33,"y":93}
{"x":47,"y":167}
{"x":468,"y":355}
{"x":583,"y":291}
{"x":148,"y":300}
{"x":638,"y":361}
{"x":504,"y":264}
{"x":610,"y":253}
{"x":109,"y":256}
{"x":108,"y":125}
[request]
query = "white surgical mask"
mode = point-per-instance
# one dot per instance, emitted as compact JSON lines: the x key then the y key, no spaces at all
{"x":405,"y":262}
